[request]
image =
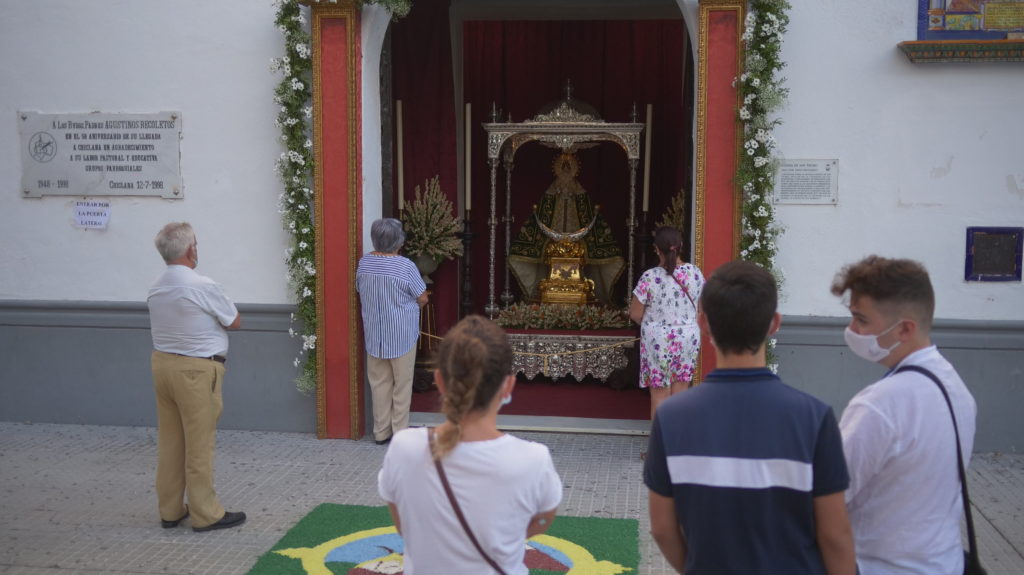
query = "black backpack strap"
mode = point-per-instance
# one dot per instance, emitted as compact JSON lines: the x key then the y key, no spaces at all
{"x":972,"y":542}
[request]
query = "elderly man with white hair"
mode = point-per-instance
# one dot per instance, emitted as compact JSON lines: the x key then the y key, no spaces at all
{"x":188,"y":315}
{"x":391,"y":292}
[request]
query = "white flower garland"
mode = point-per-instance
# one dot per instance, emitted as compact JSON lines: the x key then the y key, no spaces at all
{"x":763,"y":93}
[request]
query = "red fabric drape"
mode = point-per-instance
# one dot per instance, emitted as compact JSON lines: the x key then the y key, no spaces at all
{"x":521,"y":66}
{"x":422,"y":79}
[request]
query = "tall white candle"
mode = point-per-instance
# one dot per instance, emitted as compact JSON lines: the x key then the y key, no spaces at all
{"x":647,"y":158}
{"x":401,"y":166}
{"x":469,"y":158}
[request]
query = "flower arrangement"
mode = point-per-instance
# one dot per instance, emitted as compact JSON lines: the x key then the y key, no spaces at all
{"x":675,"y":214}
{"x":430,"y":225}
{"x":762,"y":91}
{"x":561,"y":316}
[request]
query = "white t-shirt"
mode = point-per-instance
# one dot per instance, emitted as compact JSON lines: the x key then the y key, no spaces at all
{"x":188,"y":313}
{"x":904,"y":498}
{"x":500,"y":485}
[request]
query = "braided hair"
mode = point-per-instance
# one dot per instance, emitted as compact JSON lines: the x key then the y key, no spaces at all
{"x":474,"y":359}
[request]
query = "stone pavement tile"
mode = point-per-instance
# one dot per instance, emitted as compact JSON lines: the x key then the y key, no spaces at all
{"x":79,"y":499}
{"x":996,"y":482}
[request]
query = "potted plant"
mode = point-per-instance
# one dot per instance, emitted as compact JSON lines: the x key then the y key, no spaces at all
{"x":430,"y":227}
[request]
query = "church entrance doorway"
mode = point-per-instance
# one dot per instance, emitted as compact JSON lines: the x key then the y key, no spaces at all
{"x":611,"y":67}
{"x":510,"y":65}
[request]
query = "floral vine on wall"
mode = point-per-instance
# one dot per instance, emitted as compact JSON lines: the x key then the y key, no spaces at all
{"x":761,"y":88}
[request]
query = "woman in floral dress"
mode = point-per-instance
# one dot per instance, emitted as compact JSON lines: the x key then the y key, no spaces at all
{"x":665,"y":305}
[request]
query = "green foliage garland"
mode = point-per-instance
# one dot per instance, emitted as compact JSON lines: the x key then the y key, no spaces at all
{"x":762,"y":91}
{"x":295,"y":166}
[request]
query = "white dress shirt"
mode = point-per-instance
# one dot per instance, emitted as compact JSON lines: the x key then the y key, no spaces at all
{"x":904,"y":498}
{"x":188,"y":313}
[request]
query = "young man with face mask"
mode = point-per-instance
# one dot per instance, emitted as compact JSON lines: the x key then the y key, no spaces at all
{"x":904,"y":496}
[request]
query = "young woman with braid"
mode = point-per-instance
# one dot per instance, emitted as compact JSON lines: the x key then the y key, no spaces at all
{"x":506,"y":487}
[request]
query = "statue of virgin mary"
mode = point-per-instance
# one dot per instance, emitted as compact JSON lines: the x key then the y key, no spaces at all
{"x":565,"y":207}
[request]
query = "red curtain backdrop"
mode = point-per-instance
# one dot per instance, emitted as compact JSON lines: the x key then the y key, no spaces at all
{"x":422,"y":79}
{"x":520,"y":66}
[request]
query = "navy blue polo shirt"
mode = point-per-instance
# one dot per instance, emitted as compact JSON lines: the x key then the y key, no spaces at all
{"x":744,"y":455}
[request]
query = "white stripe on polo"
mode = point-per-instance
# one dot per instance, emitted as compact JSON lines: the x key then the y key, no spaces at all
{"x":739,"y":472}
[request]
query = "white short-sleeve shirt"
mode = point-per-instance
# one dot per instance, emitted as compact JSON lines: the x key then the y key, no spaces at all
{"x":188,"y":313}
{"x":500,"y":485}
{"x":904,"y":498}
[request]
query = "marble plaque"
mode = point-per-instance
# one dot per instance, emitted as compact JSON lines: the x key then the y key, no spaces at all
{"x":807,"y":182}
{"x":100,"y":154}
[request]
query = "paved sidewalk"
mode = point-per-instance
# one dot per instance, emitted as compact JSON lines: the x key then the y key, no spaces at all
{"x":79,"y":499}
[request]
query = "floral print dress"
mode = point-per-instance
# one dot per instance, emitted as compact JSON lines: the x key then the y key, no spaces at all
{"x":669,"y":336}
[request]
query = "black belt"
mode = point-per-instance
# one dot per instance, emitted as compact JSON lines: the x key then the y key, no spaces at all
{"x":217,"y":358}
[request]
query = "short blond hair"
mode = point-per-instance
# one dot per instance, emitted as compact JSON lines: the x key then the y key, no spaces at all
{"x":174,"y":240}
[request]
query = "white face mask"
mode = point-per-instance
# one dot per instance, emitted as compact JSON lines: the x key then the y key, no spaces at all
{"x":506,"y":400}
{"x":866,"y":346}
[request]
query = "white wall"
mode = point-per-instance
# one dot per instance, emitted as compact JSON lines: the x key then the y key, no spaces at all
{"x":925,"y":150}
{"x":207,"y":60}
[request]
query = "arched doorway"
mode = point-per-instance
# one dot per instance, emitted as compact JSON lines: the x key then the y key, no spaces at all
{"x":339,"y":89}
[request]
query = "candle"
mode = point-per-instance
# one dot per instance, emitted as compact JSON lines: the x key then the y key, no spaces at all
{"x":469,"y":158}
{"x":401,"y":169}
{"x":647,"y":158}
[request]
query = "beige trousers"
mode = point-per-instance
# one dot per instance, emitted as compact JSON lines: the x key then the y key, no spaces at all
{"x":188,"y":405}
{"x":390,"y":392}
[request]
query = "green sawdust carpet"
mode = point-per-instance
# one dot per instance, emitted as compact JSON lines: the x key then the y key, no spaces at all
{"x":356,"y":540}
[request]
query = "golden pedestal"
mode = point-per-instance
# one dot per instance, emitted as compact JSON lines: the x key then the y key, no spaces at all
{"x":565,"y":283}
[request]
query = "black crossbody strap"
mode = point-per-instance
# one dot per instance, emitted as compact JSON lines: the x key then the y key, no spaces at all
{"x":972,"y":542}
{"x":455,"y":505}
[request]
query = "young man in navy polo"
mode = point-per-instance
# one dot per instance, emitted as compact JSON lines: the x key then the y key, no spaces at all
{"x":747,"y":474}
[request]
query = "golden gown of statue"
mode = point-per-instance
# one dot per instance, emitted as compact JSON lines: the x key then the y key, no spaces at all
{"x":565,"y":207}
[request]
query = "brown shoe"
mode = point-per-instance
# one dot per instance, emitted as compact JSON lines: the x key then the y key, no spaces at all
{"x":230,"y":519}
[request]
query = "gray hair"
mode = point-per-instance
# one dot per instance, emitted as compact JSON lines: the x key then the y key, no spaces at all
{"x":387,"y":235}
{"x":174,"y":240}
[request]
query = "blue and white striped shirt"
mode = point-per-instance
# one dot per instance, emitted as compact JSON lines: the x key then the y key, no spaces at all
{"x":388,"y":287}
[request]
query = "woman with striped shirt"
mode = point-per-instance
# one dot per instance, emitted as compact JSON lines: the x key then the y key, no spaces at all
{"x":391,"y":293}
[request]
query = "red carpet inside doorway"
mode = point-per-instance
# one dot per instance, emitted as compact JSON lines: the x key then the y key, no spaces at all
{"x":566,"y":398}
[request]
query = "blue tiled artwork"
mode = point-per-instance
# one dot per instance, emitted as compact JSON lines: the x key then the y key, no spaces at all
{"x":970,"y":19}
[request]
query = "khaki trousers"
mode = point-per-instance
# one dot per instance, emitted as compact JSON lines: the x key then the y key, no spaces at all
{"x":390,"y":392}
{"x":188,"y":405}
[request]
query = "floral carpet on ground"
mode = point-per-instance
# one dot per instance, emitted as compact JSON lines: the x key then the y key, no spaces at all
{"x":357,"y":540}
